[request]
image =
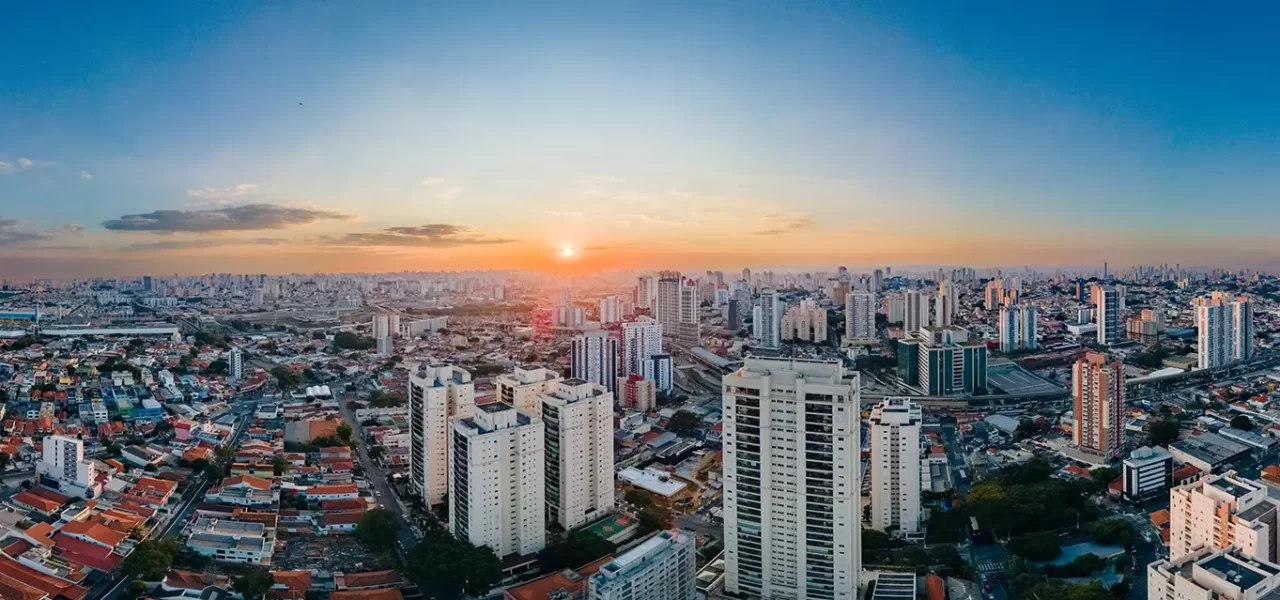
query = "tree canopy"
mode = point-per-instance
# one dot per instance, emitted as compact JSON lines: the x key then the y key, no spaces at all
{"x":580,"y":548}
{"x":445,"y":567}
{"x":1162,"y":432}
{"x":151,"y":559}
{"x":345,"y":340}
{"x":1242,"y":422}
{"x":253,"y":583}
{"x":1118,"y":532}
{"x":1037,"y":545}
{"x":376,"y":530}
{"x":1023,"y":498}
{"x":286,"y":378}
{"x":683,"y":422}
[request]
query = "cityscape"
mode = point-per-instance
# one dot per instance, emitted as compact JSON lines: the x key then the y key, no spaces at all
{"x":614,"y":301}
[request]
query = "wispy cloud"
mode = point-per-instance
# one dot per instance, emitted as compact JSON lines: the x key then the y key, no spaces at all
{"x":213,"y":193}
{"x":442,"y":190}
{"x":22,"y":163}
{"x":201,"y":243}
{"x":248,"y":217}
{"x":86,"y":175}
{"x":791,"y":225}
{"x":12,"y":233}
{"x":434,"y":235}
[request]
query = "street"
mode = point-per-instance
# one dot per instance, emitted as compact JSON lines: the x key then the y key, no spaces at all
{"x":377,"y":477}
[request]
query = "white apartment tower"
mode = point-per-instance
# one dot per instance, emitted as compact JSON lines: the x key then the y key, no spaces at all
{"x":792,"y":496}
{"x":647,"y":293}
{"x":768,"y":327}
{"x":578,"y":420}
{"x":1224,"y":330}
{"x":496,"y":486}
{"x":860,"y":317}
{"x":63,"y":460}
{"x":610,"y":310}
{"x":522,"y":388}
{"x":641,"y":339}
{"x":895,"y":466}
{"x":436,"y":395}
{"x":1110,"y":303}
{"x":660,"y":568}
{"x":235,"y":364}
{"x":1017,"y":325}
{"x":1221,"y":511}
{"x":917,"y":315}
{"x":595,"y":358}
{"x":946,"y":305}
{"x":1027,"y":327}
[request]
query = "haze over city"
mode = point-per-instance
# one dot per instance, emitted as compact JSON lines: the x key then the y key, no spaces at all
{"x":303,"y":137}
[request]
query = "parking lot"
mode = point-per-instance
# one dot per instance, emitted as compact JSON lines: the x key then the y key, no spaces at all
{"x":1013,"y":379}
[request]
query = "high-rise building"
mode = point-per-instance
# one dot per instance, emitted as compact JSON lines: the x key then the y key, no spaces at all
{"x":634,"y":391}
{"x":63,"y":461}
{"x":594,"y":358}
{"x":658,"y":367}
{"x":235,"y":363}
{"x":1098,"y":396}
{"x":647,"y":293}
{"x":610,"y":310}
{"x":993,"y":294}
{"x":659,"y":568}
{"x":522,"y":388}
{"x":895,"y":308}
{"x":578,"y":418}
{"x":1224,"y":330}
{"x":860,"y":318}
{"x":806,"y":322}
{"x":946,"y":304}
{"x":768,"y":327}
{"x":381,"y":326}
{"x":917,"y":315}
{"x":895,"y":466}
{"x":1110,"y":303}
{"x":792,"y":491}
{"x":1209,"y":573}
{"x":1220,"y":511}
{"x":496,"y":494}
{"x":877,"y":280}
{"x":733,"y":314}
{"x":1007,"y":326}
{"x":688,"y":329}
{"x":1027,"y":327}
{"x":1017,"y":327}
{"x":943,"y":361}
{"x":436,"y":395}
{"x":641,"y":339}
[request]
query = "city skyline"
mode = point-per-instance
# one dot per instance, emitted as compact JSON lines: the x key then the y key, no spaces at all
{"x":302,"y":138}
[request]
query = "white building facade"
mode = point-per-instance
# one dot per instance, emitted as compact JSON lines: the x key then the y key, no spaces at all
{"x":594,"y":358}
{"x":578,"y":421}
{"x":659,"y":568}
{"x":895,"y":466}
{"x":436,"y":395}
{"x":496,"y":487}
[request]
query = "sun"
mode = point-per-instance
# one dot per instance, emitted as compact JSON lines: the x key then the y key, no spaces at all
{"x":567,"y":252}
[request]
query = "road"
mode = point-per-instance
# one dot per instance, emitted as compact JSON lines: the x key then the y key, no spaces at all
{"x":110,"y":588}
{"x":700,"y":525}
{"x":378,"y":478}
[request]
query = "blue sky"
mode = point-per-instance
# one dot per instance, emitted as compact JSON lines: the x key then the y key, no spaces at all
{"x":648,"y":134}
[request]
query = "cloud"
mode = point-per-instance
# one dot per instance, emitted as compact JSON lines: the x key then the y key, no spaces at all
{"x":441,"y":190}
{"x":86,"y":175}
{"x":794,"y":224}
{"x":11,"y":234}
{"x":26,"y":162}
{"x":430,"y":181}
{"x":186,"y":244}
{"x":72,"y":228}
{"x":213,"y":193}
{"x":433,"y":235}
{"x":23,"y":163}
{"x":248,"y":217}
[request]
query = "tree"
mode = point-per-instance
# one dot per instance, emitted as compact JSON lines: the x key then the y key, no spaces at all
{"x":445,"y":567}
{"x":580,"y":548}
{"x":1162,"y":432}
{"x":345,"y":340}
{"x":137,"y":587}
{"x":1102,"y":477}
{"x":1242,"y":422}
{"x":1037,"y":545}
{"x":151,"y":559}
{"x":654,"y":518}
{"x":637,"y":497}
{"x":4,"y":461}
{"x":683,"y":422}
{"x":376,"y":530}
{"x":217,"y":367}
{"x":1118,"y":532}
{"x":344,"y":433}
{"x":286,"y":378}
{"x":253,"y":583}
{"x":279,"y":465}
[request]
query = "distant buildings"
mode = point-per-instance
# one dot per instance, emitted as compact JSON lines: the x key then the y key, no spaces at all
{"x":497,"y":483}
{"x":1098,"y":396}
{"x":660,"y":568}
{"x":610,"y":310}
{"x":942,"y":361}
{"x":641,"y":339}
{"x":1017,"y":328}
{"x":945,"y":308}
{"x":436,"y":395}
{"x":782,"y":539}
{"x":594,"y":359}
{"x":677,"y":308}
{"x":805,"y":322}
{"x":1110,"y":303}
{"x":860,"y":318}
{"x":917,"y":315}
{"x":578,"y":421}
{"x":895,"y":466}
{"x":767,"y":322}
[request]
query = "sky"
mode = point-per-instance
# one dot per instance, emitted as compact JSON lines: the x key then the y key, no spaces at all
{"x":193,"y":137}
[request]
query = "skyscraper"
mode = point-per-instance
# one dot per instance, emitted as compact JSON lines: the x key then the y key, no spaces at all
{"x":235,"y":364}
{"x":610,"y":310}
{"x":946,"y":305}
{"x":522,"y":388}
{"x":792,"y":527}
{"x":578,"y":421}
{"x":1224,"y":329}
{"x":1098,"y":395}
{"x":659,"y":568}
{"x":860,"y":317}
{"x":641,"y":339}
{"x":1017,"y":326}
{"x":647,"y":293}
{"x":768,"y":327}
{"x":1110,"y":303}
{"x":436,"y":395}
{"x":497,"y":482}
{"x":668,"y":301}
{"x":1219,"y":511}
{"x":594,"y":358}
{"x":895,"y":466}
{"x":917,"y":315}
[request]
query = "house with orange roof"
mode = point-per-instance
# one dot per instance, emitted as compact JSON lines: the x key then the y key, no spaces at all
{"x":342,"y":491}
{"x":14,"y":573}
{"x":382,"y":594}
{"x":150,"y":491}
{"x":31,"y":500}
{"x":40,"y":534}
{"x":290,"y":585}
{"x":339,"y":522}
{"x":367,"y":580}
{"x":247,"y":481}
{"x":187,"y":581}
{"x":572,"y":583}
{"x":94,"y":533}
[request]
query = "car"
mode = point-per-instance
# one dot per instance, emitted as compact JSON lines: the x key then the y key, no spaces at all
{"x":377,"y":493}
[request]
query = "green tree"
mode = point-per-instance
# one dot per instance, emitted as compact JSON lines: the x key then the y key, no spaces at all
{"x":1037,"y":545}
{"x":654,"y":517}
{"x":279,"y":465}
{"x":345,"y":340}
{"x":286,"y":378}
{"x":1162,"y":432}
{"x":580,"y":548}
{"x":151,"y":559}
{"x":253,"y":583}
{"x":376,"y":530}
{"x":1102,"y":477}
{"x":444,"y":567}
{"x":1118,"y":532}
{"x":1242,"y":422}
{"x":637,"y":497}
{"x":683,"y":422}
{"x":344,"y":433}
{"x":217,"y":367}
